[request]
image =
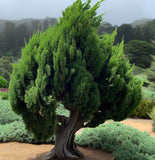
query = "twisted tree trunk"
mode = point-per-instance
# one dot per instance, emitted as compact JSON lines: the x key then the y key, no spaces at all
{"x":65,"y":148}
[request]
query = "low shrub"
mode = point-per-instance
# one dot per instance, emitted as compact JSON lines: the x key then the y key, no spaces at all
{"x":6,"y":66}
{"x":4,"y":95}
{"x":16,"y":132}
{"x":12,"y":127}
{"x":143,"y":109}
{"x":6,"y":114}
{"x":61,"y":110}
{"x":149,"y":92}
{"x":124,"y":142}
{"x":3,"y":82}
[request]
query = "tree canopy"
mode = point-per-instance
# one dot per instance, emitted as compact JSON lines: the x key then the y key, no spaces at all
{"x":71,"y":64}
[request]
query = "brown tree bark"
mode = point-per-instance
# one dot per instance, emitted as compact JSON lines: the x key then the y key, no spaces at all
{"x":65,"y":147}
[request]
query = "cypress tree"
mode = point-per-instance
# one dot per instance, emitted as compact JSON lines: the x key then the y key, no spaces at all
{"x":140,"y":53}
{"x":72,"y":65}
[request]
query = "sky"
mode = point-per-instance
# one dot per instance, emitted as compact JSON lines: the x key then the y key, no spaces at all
{"x":118,"y":11}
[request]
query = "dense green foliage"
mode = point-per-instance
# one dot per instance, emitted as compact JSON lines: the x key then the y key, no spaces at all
{"x":3,"y":82}
{"x":126,"y":32}
{"x":144,"y":108}
{"x":140,"y":53}
{"x":6,"y":114}
{"x":72,"y":64}
{"x":6,"y":67}
{"x":124,"y":142}
{"x":12,"y":127}
{"x":4,"y":95}
{"x":15,"y":132}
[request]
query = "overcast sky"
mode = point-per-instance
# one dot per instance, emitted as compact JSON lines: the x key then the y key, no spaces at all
{"x":119,"y":11}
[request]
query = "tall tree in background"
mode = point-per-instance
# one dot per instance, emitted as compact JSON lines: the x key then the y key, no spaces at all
{"x":36,"y":25}
{"x":148,"y":31}
{"x":1,"y":45}
{"x":126,"y":32}
{"x":21,"y":35}
{"x":105,"y":28}
{"x":72,"y":65}
{"x":140,"y":53}
{"x":145,"y":32}
{"x":48,"y":22}
{"x":9,"y":35}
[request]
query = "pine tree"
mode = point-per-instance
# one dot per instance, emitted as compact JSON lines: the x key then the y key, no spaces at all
{"x":72,"y":65}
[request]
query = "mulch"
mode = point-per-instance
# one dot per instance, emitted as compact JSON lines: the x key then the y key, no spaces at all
{"x":6,"y":90}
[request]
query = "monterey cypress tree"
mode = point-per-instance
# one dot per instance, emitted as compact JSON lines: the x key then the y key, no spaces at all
{"x":140,"y":53}
{"x":72,"y":65}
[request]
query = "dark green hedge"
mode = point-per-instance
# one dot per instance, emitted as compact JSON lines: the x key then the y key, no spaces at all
{"x":140,"y":53}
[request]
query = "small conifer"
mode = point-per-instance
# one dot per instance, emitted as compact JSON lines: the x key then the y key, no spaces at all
{"x":72,"y":65}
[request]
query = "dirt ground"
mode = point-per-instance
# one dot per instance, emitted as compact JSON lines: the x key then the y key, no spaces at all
{"x":22,"y":151}
{"x":4,"y":90}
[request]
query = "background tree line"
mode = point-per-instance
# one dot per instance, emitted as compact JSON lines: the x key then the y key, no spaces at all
{"x":139,"y":30}
{"x":14,"y":34}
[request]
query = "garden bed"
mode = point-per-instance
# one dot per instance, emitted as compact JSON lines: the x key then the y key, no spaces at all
{"x":21,"y":151}
{"x":4,"y":90}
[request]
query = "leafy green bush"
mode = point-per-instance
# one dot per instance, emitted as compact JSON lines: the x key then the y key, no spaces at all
{"x":16,"y":131}
{"x":143,"y":109}
{"x":12,"y":127}
{"x":3,"y":82}
{"x":6,"y":67}
{"x":6,"y":113}
{"x":4,"y":95}
{"x":124,"y":142}
{"x":61,"y":110}
{"x":152,"y":116}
